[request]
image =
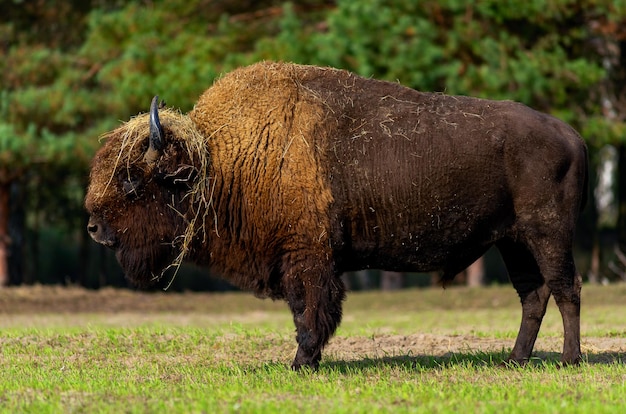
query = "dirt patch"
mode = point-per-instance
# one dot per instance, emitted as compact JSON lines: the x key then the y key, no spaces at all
{"x":403,"y":349}
{"x":595,"y":349}
{"x":58,"y":299}
{"x":25,"y":303}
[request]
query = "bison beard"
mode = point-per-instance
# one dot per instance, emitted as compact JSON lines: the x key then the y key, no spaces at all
{"x":285,"y":176}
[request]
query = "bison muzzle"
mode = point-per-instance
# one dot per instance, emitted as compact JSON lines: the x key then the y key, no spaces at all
{"x":285,"y":176}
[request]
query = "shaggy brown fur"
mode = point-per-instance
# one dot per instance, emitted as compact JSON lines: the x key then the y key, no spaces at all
{"x":284,"y":176}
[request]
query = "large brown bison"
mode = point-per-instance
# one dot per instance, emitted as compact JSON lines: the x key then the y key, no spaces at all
{"x":284,"y":176}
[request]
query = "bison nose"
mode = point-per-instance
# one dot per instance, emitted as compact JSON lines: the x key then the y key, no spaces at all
{"x":101,"y":234}
{"x":92,"y":229}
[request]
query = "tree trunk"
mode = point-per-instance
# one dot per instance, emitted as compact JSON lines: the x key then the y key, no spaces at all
{"x":365,"y":279}
{"x":17,"y":232}
{"x":84,"y":255}
{"x":390,"y":280}
{"x":621,"y":198}
{"x":5,"y":240}
{"x":594,"y":267}
{"x":476,"y":273}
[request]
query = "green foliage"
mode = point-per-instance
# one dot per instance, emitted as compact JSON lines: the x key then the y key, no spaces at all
{"x":602,"y":131}
{"x":16,"y":150}
{"x":501,"y":50}
{"x":146,"y":54}
{"x":72,"y":70}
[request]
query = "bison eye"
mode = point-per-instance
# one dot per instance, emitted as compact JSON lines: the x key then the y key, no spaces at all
{"x":130,"y":182}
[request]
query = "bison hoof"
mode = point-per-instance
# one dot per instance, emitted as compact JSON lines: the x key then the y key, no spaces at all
{"x":300,"y":366}
{"x":311,"y":366}
{"x":571,"y":361}
{"x":306,"y":359}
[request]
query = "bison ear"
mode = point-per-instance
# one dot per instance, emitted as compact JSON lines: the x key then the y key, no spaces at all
{"x":156,"y":134}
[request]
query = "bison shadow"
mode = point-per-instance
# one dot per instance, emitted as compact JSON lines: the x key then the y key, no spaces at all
{"x":418,"y":363}
{"x":428,"y":362}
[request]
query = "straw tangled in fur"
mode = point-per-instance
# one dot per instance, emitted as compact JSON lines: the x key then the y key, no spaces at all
{"x":132,"y":146}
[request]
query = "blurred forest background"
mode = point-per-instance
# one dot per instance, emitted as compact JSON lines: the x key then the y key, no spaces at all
{"x":73,"y":69}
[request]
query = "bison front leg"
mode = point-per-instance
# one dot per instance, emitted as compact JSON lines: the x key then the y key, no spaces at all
{"x":315,"y":298}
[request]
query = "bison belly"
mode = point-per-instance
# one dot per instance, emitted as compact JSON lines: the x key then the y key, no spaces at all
{"x":420,"y":227}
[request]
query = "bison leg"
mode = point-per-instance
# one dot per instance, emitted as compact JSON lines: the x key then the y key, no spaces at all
{"x":315,"y":299}
{"x":566,"y":285}
{"x":550,"y":270}
{"x":533,"y":292}
{"x":554,"y":257}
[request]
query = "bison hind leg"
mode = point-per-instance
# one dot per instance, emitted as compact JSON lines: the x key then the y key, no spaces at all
{"x":527,"y":280}
{"x":537,"y":272}
{"x":566,"y":283}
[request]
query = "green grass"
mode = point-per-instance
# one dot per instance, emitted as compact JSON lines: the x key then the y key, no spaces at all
{"x":236,"y":358}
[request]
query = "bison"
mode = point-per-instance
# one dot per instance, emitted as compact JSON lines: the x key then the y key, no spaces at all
{"x":284,"y":176}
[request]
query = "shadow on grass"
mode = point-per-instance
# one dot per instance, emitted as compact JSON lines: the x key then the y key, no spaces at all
{"x":478,"y":359}
{"x":420,"y":363}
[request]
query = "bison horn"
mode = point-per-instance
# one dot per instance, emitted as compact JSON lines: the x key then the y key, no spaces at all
{"x":156,"y":133}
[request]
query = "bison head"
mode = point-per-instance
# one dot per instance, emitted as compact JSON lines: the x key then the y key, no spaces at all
{"x":143,"y":191}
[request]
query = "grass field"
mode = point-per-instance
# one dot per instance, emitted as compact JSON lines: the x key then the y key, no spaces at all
{"x":431,"y":351}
